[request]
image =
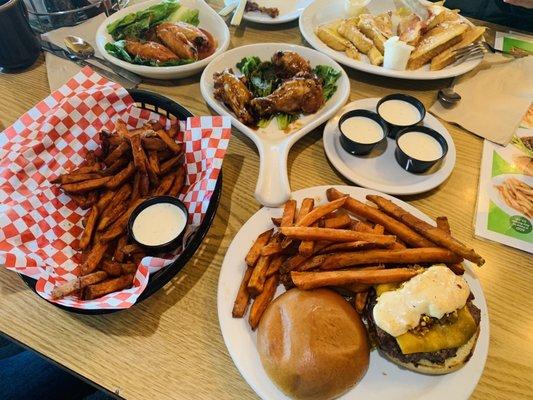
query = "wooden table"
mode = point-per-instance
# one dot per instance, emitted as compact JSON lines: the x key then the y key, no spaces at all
{"x":170,"y":346}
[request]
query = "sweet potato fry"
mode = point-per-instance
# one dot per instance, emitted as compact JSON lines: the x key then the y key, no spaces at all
{"x":319,"y":212}
{"x":130,"y":249}
{"x":405,"y":256}
{"x":305,"y":208}
{"x":442,"y":223}
{"x":276,"y":221}
{"x":74,"y":177}
{"x":257,"y":280}
{"x":337,"y":222}
{"x":171,"y":144}
{"x":312,"y":263}
{"x":273,"y":247}
{"x":307,"y":247}
{"x":432,"y":233}
{"x":129,"y":268}
{"x":70,"y":287}
{"x":121,"y":177}
{"x":178,"y":183}
{"x":119,"y":255}
{"x":116,"y":166}
{"x":360,"y":301}
{"x":113,"y":285}
{"x":153,"y":144}
{"x":88,"y":232}
{"x":136,"y":187}
{"x":88,"y":169}
{"x":121,"y":128}
{"x":255,"y":250}
{"x":119,"y":225}
{"x":347,"y":246}
{"x":379,"y":229}
{"x":313,"y":280}
{"x":334,"y":235}
{"x":82,"y":200}
{"x":289,"y":213}
{"x":261,"y":302}
{"x":275,"y":265}
{"x":85,"y":186}
{"x":95,"y":256}
{"x":153,"y":162}
{"x":105,"y":199}
{"x":169,"y":164}
{"x":117,"y":269}
{"x":173,"y":131}
{"x":165,"y":184}
{"x":243,"y":296}
{"x":111,"y":216}
{"x":376,"y":216}
{"x":117,"y":153}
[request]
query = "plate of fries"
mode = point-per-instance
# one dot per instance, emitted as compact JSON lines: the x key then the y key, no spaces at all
{"x":358,"y":42}
{"x":309,"y":243}
{"x":513,"y":193}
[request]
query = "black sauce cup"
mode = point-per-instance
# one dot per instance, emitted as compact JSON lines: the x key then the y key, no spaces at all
{"x":164,"y":247}
{"x":393,"y":129}
{"x":357,"y":148}
{"x":412,"y":164}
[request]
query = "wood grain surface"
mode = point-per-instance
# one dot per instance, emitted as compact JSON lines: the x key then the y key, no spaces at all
{"x":170,"y":346}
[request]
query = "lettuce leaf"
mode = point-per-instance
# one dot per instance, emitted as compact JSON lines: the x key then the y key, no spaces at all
{"x":329,"y":78}
{"x":186,"y":14}
{"x":261,"y":75}
{"x":117,"y":50}
{"x":284,"y":120}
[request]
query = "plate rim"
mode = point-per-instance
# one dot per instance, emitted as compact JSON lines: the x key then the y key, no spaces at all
{"x":328,"y":140}
{"x":310,"y":37}
{"x":224,"y":317}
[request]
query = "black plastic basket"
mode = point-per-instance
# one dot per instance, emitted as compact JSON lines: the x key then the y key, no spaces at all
{"x":169,"y":108}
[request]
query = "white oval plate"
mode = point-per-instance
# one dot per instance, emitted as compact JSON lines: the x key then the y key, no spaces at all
{"x":209,"y":20}
{"x":323,"y":11}
{"x":379,"y":170}
{"x":289,"y":10}
{"x":384,"y":380}
{"x":496,"y":197}
{"x":272,"y":143}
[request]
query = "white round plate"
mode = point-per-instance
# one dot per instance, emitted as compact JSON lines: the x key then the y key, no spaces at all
{"x":209,"y":20}
{"x":272,"y":143}
{"x":323,"y":11}
{"x":379,"y":170}
{"x":384,"y":380}
{"x":289,"y":10}
{"x":496,"y":197}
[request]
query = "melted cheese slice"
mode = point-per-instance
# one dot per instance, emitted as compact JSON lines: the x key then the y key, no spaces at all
{"x":435,"y":292}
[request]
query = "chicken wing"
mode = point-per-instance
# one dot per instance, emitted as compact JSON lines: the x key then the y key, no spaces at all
{"x":173,"y":36}
{"x":289,"y":63}
{"x":303,"y":93}
{"x":233,"y":92}
{"x":150,"y":51}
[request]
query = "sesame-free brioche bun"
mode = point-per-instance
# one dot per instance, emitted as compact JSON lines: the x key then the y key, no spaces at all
{"x":312,"y":344}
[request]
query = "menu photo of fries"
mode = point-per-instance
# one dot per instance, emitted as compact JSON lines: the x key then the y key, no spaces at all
{"x":346,"y":245}
{"x":129,"y":167}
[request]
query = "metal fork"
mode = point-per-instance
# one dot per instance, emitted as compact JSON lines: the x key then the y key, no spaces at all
{"x":480,"y":48}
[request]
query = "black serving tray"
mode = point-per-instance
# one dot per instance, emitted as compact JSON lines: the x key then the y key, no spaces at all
{"x":169,"y":108}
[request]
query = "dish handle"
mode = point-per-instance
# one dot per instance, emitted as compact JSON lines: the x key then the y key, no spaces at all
{"x":273,"y":189}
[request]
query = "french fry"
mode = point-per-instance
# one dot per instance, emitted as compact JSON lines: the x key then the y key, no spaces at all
{"x":321,"y":211}
{"x":334,"y":235}
{"x":153,"y":162}
{"x":273,"y":247}
{"x":140,"y":161}
{"x":173,"y":131}
{"x":88,"y":169}
{"x":312,"y":263}
{"x":275,"y":265}
{"x":442,"y":223}
{"x":117,"y":269}
{"x":306,"y":207}
{"x":379,"y":229}
{"x":307,"y":247}
{"x":70,"y":287}
{"x":276,"y":221}
{"x":119,"y":255}
{"x":74,"y":177}
{"x":178,"y":183}
{"x":432,"y":233}
{"x":405,"y":256}
{"x":116,"y":166}
{"x":88,"y":232}
{"x":119,"y":225}
{"x":129,"y":268}
{"x":169,"y":164}
{"x":121,"y":128}
{"x":337,"y":222}
{"x":121,"y":177}
{"x":361,"y":226}
{"x":347,"y":246}
{"x":153,"y":144}
{"x":82,"y":200}
{"x":117,"y":153}
{"x":255,"y":250}
{"x":376,"y":216}
{"x":110,"y":217}
{"x":130,"y":249}
{"x":85,"y":186}
{"x":95,"y":256}
{"x":289,"y":212}
{"x":136,"y":187}
{"x":171,"y":144}
{"x":360,"y":301}
{"x":113,"y":285}
{"x":261,"y":302}
{"x":258,"y":278}
{"x":165,"y":184}
{"x":105,"y":199}
{"x":243,"y":296}
{"x":313,"y":280}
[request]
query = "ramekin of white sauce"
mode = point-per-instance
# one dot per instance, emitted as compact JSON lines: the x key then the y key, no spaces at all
{"x":418,"y":148}
{"x":158,"y":223}
{"x":361,"y":131}
{"x":400,"y":111}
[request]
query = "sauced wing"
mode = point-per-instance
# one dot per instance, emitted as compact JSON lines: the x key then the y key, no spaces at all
{"x":173,"y":37}
{"x":233,"y":92}
{"x":150,"y":51}
{"x":289,"y":63}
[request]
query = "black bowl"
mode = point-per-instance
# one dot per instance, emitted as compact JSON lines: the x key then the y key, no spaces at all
{"x":357,"y":148}
{"x":393,"y":129}
{"x":412,"y":164}
{"x":164,"y":247}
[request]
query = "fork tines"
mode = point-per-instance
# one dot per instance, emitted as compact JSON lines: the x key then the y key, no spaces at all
{"x":474,"y":50}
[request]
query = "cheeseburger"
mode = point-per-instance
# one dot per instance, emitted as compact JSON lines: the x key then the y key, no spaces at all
{"x":428,"y":324}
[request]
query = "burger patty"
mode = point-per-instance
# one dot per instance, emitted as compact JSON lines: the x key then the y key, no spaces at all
{"x":388,"y":344}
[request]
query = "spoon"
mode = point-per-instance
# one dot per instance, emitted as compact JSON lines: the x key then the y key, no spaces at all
{"x":448,"y":97}
{"x":84,"y":50}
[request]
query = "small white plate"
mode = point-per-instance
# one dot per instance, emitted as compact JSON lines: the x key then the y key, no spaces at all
{"x":289,"y":10}
{"x":272,"y":143}
{"x":209,"y":20}
{"x":379,"y":170}
{"x":497,"y":198}
{"x":384,"y":380}
{"x":323,"y":11}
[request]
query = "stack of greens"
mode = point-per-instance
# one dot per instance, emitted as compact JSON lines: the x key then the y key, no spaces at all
{"x":262,"y":81}
{"x":134,"y":26}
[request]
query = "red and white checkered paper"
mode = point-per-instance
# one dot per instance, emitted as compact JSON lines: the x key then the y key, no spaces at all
{"x":40,"y":225}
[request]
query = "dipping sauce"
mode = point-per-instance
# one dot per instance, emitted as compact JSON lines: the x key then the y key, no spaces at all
{"x":362,"y":130}
{"x":420,"y":146}
{"x":399,"y":112}
{"x":158,"y":224}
